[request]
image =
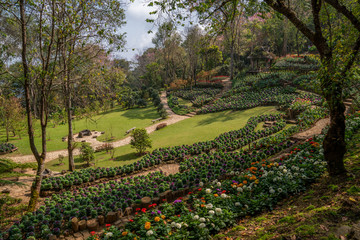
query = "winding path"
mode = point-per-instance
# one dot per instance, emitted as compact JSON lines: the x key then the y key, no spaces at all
{"x":172,"y":118}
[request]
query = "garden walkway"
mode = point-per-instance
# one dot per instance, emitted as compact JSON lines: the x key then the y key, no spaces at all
{"x":172,"y":118}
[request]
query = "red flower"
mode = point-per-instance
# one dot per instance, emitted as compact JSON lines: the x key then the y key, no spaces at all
{"x":143,"y":210}
{"x":138,"y":209}
{"x":92,"y":233}
{"x":136,"y":213}
{"x":190,"y":210}
{"x":164,"y":200}
{"x":108,"y":225}
{"x":190,"y":193}
{"x":199,"y":189}
{"x":130,"y":220}
{"x":178,"y":215}
{"x":224,"y":191}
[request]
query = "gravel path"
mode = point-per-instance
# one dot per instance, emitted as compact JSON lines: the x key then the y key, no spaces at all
{"x":172,"y":118}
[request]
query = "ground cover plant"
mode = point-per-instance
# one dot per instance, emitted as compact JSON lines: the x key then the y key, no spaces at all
{"x":198,"y":96}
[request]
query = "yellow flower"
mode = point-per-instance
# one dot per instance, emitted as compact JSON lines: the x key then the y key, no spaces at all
{"x":257,"y":181}
{"x":147,"y":225}
{"x":124,"y":233}
{"x":157,"y":219}
{"x":163,"y":216}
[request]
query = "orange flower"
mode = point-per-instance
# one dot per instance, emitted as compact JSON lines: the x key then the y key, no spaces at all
{"x":245,"y":182}
{"x":215,"y":195}
{"x":202,"y":205}
{"x":163,"y":216}
{"x":240,"y":185}
{"x":147,"y":225}
{"x":124,"y":233}
{"x":156,"y":219}
{"x":257,"y":181}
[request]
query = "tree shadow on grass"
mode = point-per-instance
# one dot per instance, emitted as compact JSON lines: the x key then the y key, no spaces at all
{"x":143,"y":113}
{"x":126,"y":157}
{"x":225,"y":116}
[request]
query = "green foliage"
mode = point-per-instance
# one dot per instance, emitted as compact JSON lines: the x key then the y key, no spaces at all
{"x":7,"y":165}
{"x":140,"y":140}
{"x":87,"y":153}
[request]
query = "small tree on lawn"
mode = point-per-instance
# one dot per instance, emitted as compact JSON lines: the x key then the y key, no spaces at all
{"x":87,"y":153}
{"x":140,"y":140}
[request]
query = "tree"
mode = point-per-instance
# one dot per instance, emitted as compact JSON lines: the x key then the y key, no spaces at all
{"x":87,"y":154}
{"x":334,"y":30}
{"x":140,"y":140}
{"x":12,"y":115}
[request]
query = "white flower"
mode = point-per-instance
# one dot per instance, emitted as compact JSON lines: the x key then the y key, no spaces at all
{"x":209,"y":205}
{"x":218,"y":210}
{"x":201,"y":184}
{"x":285,"y":171}
{"x":186,"y":225}
{"x":173,"y":224}
{"x":218,"y":184}
{"x":237,"y":204}
{"x":239,"y":189}
{"x":237,"y":173}
{"x":202,"y":220}
{"x":196,"y":217}
{"x":272,"y":191}
{"x":223,"y":195}
{"x":109,"y":234}
{"x":202,"y":225}
{"x":211,"y":212}
{"x":178,"y":225}
{"x":280,"y":190}
{"x":208,"y":190}
{"x":149,"y":233}
{"x":213,"y":225}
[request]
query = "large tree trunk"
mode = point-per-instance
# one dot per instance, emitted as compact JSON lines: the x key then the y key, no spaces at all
{"x":334,"y":142}
{"x":232,"y":59}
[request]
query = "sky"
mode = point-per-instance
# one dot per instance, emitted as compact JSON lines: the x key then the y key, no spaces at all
{"x":136,"y":28}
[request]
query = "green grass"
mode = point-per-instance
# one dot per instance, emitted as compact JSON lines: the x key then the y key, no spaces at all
{"x":115,"y":123}
{"x":189,"y":131}
{"x":184,"y":102}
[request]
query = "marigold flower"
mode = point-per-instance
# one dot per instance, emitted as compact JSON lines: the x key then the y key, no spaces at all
{"x":147,"y":225}
{"x":163,"y":216}
{"x":216,"y":195}
{"x":156,"y":219}
{"x":124,"y":233}
{"x":245,"y":182}
{"x":202,"y":205}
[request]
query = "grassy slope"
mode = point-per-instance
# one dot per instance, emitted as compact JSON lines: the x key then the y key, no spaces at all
{"x":195,"y":129}
{"x":114,"y":122}
{"x":314,"y":214}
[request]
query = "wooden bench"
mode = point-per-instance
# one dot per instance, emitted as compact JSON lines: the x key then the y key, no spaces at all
{"x":130,"y":130}
{"x":155,"y":120}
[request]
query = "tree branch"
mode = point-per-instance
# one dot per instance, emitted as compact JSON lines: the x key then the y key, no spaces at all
{"x":346,"y":12}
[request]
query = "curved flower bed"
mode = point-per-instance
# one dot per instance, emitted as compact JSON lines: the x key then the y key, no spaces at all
{"x":217,"y":204}
{"x":228,"y":185}
{"x":227,"y":141}
{"x":7,"y":148}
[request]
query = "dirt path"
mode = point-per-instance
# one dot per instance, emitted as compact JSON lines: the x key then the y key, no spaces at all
{"x":172,"y":118}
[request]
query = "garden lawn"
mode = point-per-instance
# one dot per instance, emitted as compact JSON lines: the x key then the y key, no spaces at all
{"x":114,"y":122}
{"x":198,"y":128}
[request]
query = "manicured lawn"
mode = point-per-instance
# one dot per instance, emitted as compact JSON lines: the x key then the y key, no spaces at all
{"x":195,"y":129}
{"x":115,"y":123}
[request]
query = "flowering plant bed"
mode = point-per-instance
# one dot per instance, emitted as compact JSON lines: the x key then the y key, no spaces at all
{"x":220,"y":186}
{"x":227,"y":141}
{"x":7,"y":148}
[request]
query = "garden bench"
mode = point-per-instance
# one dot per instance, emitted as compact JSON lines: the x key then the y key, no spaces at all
{"x":155,"y":120}
{"x":130,"y":130}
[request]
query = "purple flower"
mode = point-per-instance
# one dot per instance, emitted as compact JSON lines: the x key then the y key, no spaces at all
{"x":177,"y":201}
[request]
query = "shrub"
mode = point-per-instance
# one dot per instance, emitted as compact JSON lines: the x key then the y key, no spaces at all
{"x":140,"y":140}
{"x":104,"y":147}
{"x":87,"y":153}
{"x":7,"y":148}
{"x":160,"y":126}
